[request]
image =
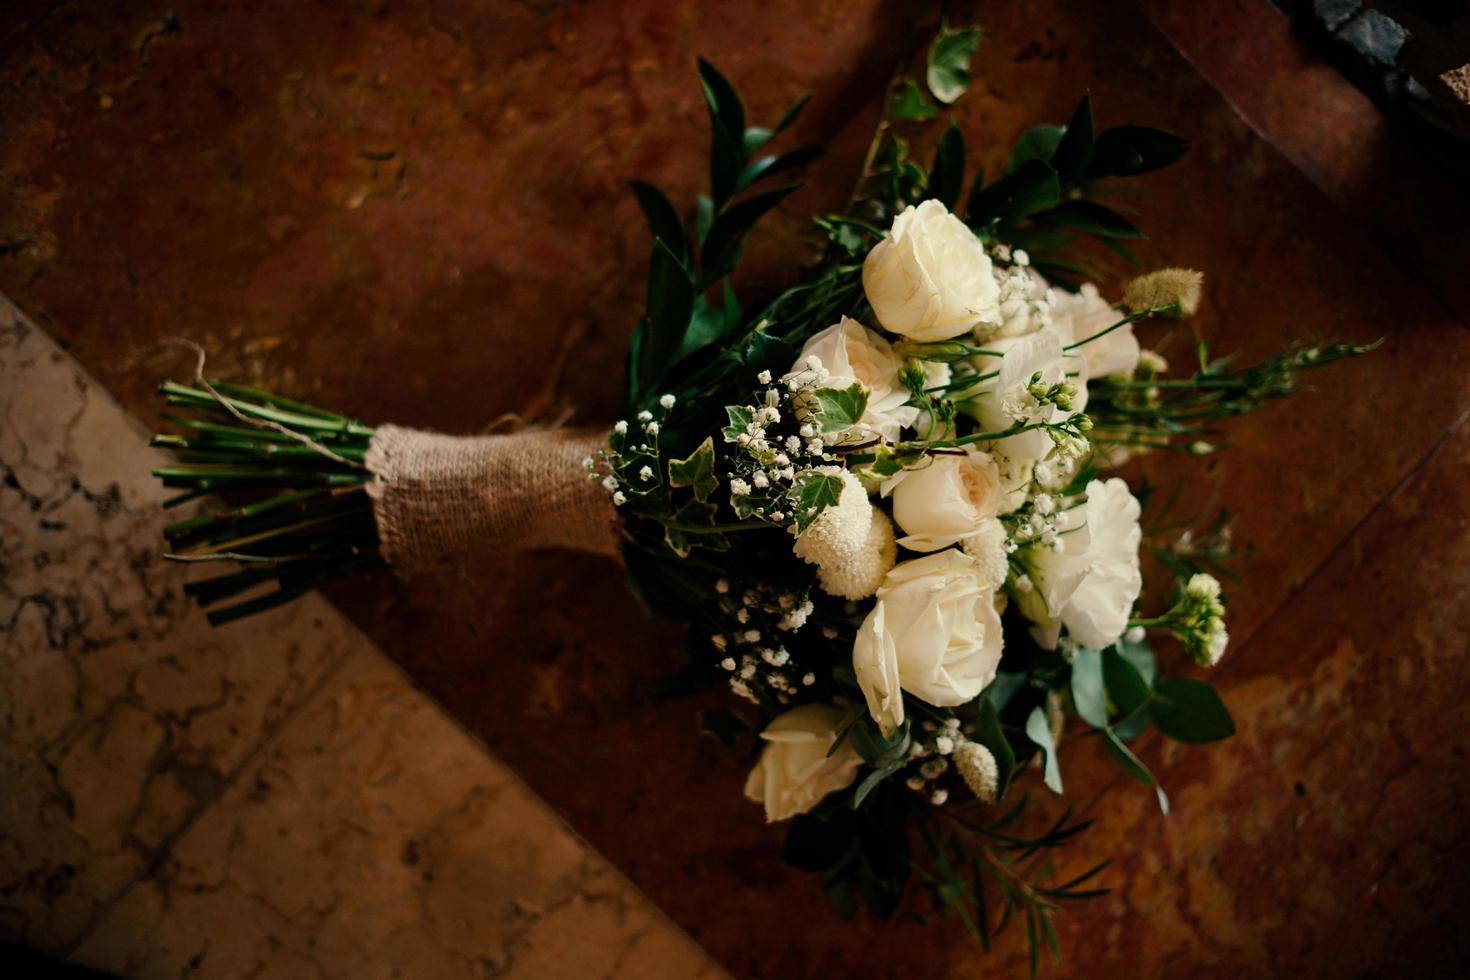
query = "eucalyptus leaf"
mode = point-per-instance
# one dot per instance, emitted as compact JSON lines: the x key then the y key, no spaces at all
{"x":1126,"y":687}
{"x":948,"y":73}
{"x":1038,"y":729}
{"x":1130,"y":764}
{"x":1088,"y":694}
{"x":1189,"y":710}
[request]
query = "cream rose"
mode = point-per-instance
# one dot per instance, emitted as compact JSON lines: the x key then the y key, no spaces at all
{"x":1080,"y":315}
{"x":947,"y":499}
{"x":850,"y":352}
{"x":794,"y":771}
{"x":934,"y":632}
{"x":930,"y":278}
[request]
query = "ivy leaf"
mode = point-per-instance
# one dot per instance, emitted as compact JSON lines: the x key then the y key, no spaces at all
{"x":947,"y":176}
{"x":1038,"y":729}
{"x":723,"y":724}
{"x":1074,"y":152}
{"x":696,"y":471}
{"x":1127,"y":151}
{"x":663,"y":218}
{"x":1190,"y":711}
{"x":814,"y":492}
{"x":1125,"y":685}
{"x":1038,"y":143}
{"x":841,"y":408}
{"x":910,"y":103}
{"x":740,"y":419}
{"x":1087,"y":688}
{"x":948,"y":73}
{"x":1033,"y":187}
{"x":1130,"y":764}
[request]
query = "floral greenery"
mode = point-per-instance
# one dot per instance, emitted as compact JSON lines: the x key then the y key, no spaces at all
{"x":699,"y":550}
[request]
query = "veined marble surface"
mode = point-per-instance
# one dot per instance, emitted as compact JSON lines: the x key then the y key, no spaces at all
{"x":267,"y":800}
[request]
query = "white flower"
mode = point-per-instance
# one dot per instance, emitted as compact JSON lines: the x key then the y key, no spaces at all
{"x":667,"y":401}
{"x":1085,"y":313}
{"x":1091,"y":584}
{"x":977,"y":767}
{"x":850,"y":352}
{"x":934,"y":631}
{"x":1007,"y":399}
{"x":794,"y":771}
{"x":851,"y":542}
{"x":930,"y":278}
{"x":1025,"y":301}
{"x":988,"y":547}
{"x":946,"y":500}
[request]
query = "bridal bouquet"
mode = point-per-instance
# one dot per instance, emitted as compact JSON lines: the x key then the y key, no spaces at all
{"x":881,"y":500}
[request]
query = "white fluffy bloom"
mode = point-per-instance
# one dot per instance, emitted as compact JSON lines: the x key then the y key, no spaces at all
{"x":849,"y":352}
{"x":851,"y":542}
{"x":934,"y":631}
{"x":1085,"y":313}
{"x":929,"y":278}
{"x":1180,"y":288}
{"x":945,"y":500}
{"x":1090,"y":585}
{"x":988,"y":547}
{"x":794,"y":771}
{"x":977,"y":767}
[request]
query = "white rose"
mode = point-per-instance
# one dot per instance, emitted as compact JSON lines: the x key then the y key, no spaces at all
{"x":850,"y":352}
{"x":1003,"y":401}
{"x":947,"y":499}
{"x":794,"y":771}
{"x":1085,"y":313}
{"x":934,"y":632}
{"x":930,"y":279}
{"x":1090,"y":586}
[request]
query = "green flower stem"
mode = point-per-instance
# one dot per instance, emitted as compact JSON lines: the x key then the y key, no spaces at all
{"x":1130,"y":318}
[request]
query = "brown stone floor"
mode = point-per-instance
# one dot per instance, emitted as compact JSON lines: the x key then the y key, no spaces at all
{"x":416,"y":214}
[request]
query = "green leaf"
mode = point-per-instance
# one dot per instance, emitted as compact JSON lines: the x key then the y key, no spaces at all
{"x":722,"y":99}
{"x":792,"y":113}
{"x":841,"y":408}
{"x":1074,"y":152}
{"x":696,"y":471}
{"x":814,"y":492}
{"x":1087,"y":688}
{"x":704,"y":215}
{"x":1125,"y":685}
{"x":670,"y":303}
{"x":1091,"y":217}
{"x":1190,"y":710}
{"x":706,"y":326}
{"x":1126,"y":151}
{"x":910,"y":103}
{"x":1038,"y":729}
{"x":947,"y":176}
{"x":769,"y":166}
{"x":766,"y":353}
{"x":1130,"y":764}
{"x":989,"y":734}
{"x":948,"y":73}
{"x":1141,"y":656}
{"x":1032,"y":187}
{"x":663,"y":218}
{"x":740,"y":419}
{"x":1000,"y":691}
{"x":722,"y":724}
{"x":722,"y":244}
{"x":755,"y":137}
{"x":1038,"y":143}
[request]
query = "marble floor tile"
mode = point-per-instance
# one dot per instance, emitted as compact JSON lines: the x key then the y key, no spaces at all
{"x":374,"y":838}
{"x":274,"y":800}
{"x":122,"y":713}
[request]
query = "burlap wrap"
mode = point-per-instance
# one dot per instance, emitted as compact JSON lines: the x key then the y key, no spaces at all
{"x":438,"y":498}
